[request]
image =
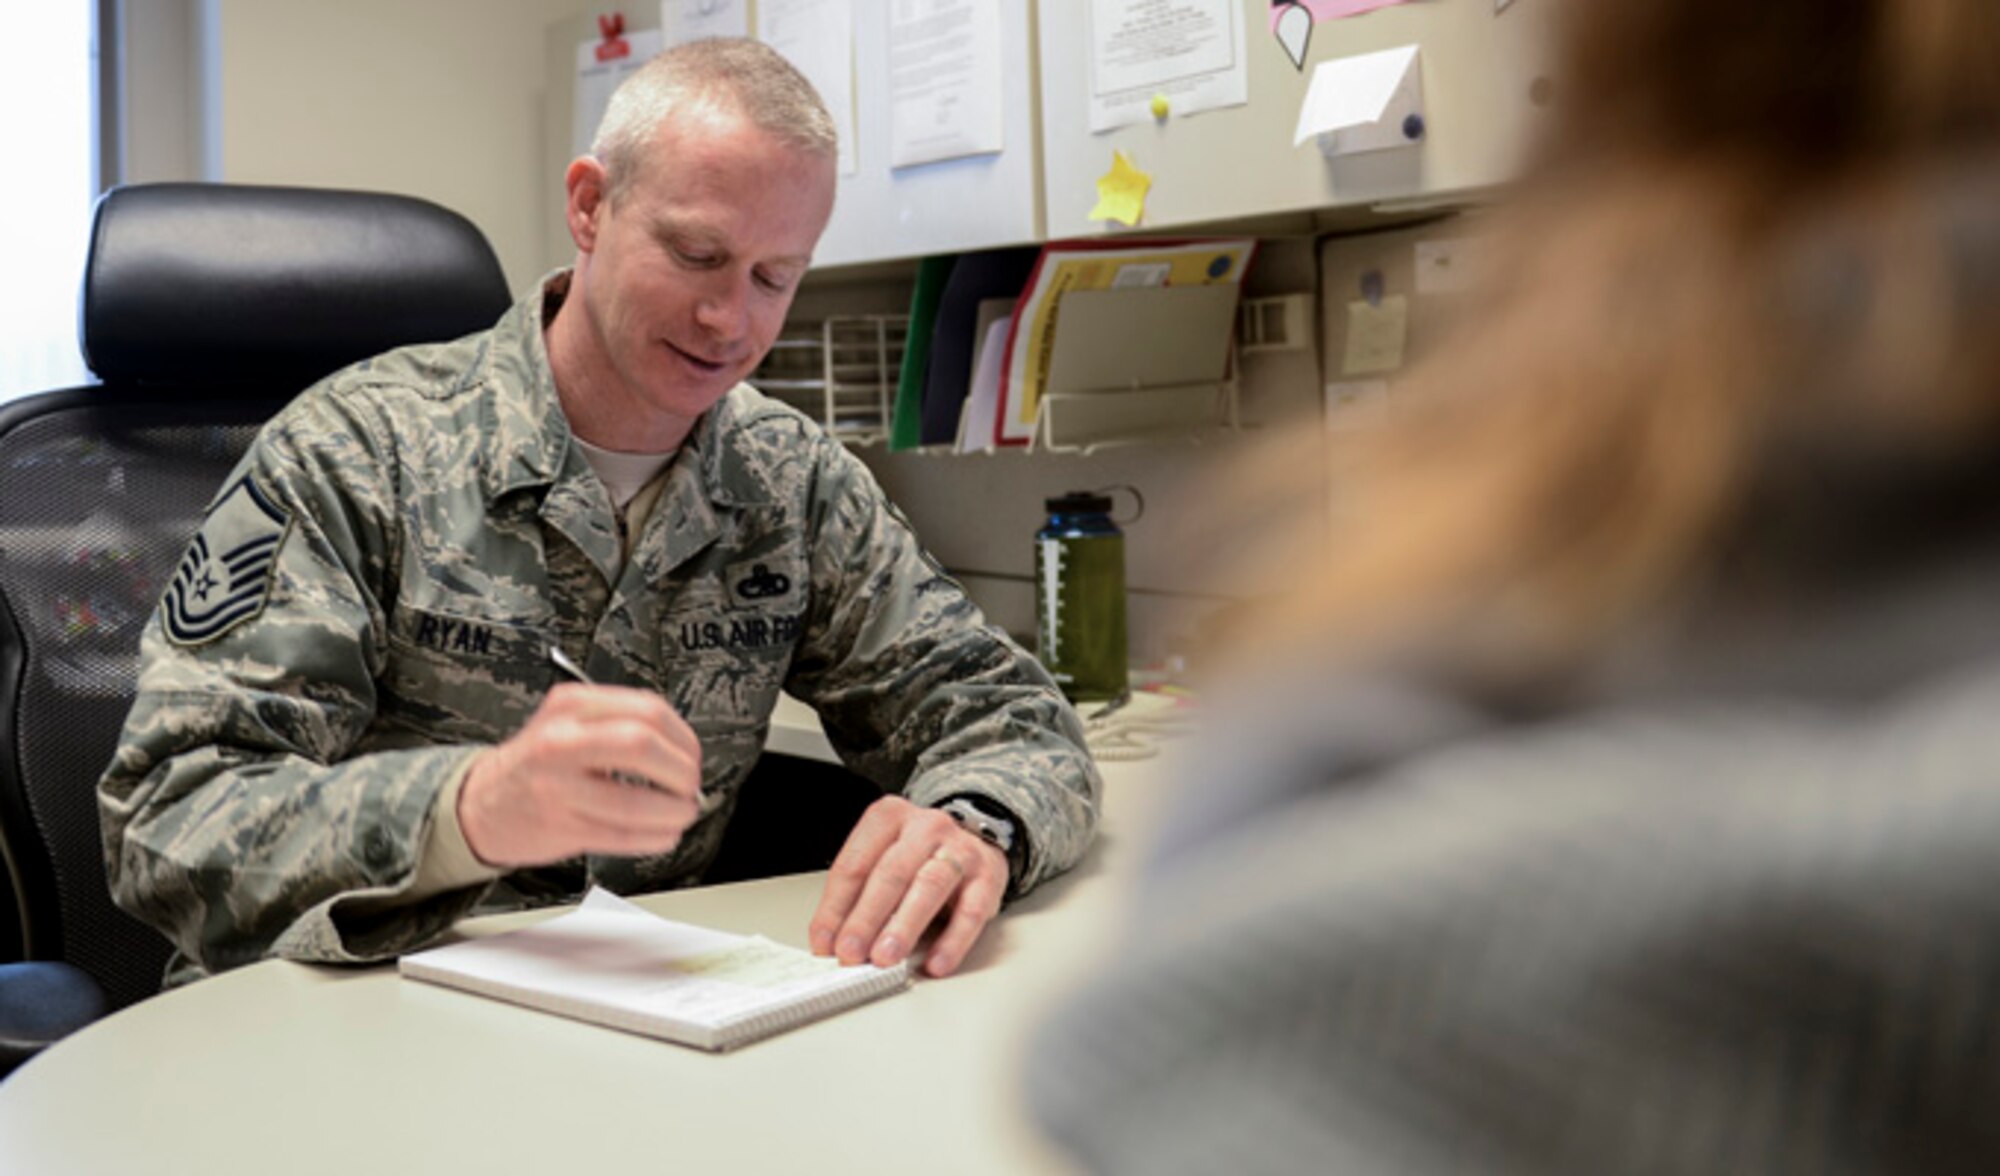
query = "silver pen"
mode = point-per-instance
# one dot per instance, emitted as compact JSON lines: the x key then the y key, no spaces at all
{"x":563,"y":663}
{"x":568,"y":666}
{"x":575,"y":672}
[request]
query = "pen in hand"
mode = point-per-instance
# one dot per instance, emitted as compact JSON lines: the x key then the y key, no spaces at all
{"x":563,"y":662}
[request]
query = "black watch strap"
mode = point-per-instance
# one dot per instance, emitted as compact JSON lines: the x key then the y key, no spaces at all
{"x":991,"y":823}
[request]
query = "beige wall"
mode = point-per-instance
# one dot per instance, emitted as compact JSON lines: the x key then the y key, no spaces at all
{"x":434,"y":98}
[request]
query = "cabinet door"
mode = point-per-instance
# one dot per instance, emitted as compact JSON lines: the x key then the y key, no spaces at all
{"x":880,"y":213}
{"x":1478,"y":66}
{"x":955,"y":205}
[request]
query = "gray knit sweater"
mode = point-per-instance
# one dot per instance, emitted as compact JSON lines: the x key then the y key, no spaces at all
{"x":1738,"y":913}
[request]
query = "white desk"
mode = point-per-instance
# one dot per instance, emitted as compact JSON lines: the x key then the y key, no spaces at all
{"x":301,"y":1069}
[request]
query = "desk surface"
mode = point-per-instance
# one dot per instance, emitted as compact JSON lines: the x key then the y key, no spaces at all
{"x":795,"y":730}
{"x":304,"y":1069}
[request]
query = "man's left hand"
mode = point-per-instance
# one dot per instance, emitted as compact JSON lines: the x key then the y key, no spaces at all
{"x":901,"y":867}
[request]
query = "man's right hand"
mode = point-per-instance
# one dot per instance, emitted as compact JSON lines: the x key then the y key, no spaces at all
{"x":549,"y":792}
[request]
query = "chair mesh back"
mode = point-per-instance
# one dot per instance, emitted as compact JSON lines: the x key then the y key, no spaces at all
{"x":94,"y":512}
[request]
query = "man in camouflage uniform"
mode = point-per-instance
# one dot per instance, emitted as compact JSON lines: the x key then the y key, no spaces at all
{"x":349,"y":732}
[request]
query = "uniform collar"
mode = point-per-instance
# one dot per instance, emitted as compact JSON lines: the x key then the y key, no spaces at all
{"x":532,"y":435}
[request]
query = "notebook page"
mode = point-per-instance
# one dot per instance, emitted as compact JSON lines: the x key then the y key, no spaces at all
{"x":611,"y":953}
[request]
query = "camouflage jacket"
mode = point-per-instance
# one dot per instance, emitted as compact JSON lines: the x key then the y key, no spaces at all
{"x":369,"y":604}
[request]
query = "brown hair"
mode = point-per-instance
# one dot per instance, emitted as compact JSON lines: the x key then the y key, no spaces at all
{"x":1802,"y":84}
{"x":1760,"y":253}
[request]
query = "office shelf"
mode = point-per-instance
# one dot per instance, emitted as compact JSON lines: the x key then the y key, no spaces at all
{"x":841,"y":371}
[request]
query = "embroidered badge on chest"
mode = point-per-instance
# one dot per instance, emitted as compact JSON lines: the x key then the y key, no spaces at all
{"x":225,"y":577}
{"x":761,"y":584}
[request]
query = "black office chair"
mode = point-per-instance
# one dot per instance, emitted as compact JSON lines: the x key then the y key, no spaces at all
{"x":205,"y":309}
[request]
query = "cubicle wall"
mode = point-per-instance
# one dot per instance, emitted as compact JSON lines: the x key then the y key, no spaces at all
{"x":1388,"y":298}
{"x":975,"y":202}
{"x":1234,"y":169}
{"x":880,"y":213}
{"x":1478,"y":66}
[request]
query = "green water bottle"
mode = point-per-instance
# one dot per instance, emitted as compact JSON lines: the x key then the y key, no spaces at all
{"x":1080,"y":597}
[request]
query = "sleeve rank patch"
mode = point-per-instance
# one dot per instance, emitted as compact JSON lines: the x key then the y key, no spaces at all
{"x":225,"y":577}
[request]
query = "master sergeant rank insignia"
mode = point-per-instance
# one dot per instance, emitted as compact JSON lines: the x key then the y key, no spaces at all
{"x":225,"y":577}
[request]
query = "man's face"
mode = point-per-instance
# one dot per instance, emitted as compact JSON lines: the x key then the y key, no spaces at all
{"x":688,"y":272}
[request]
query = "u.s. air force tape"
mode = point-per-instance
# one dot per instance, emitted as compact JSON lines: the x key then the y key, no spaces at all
{"x":225,"y":577}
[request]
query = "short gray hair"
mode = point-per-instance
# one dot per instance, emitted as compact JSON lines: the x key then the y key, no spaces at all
{"x":737,"y":74}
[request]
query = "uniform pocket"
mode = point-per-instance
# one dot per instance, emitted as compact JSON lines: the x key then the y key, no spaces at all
{"x":455,"y":678}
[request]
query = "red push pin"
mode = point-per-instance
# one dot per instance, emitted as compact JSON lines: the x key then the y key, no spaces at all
{"x":614,"y":45}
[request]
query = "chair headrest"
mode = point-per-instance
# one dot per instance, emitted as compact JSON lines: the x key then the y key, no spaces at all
{"x":268,"y":289}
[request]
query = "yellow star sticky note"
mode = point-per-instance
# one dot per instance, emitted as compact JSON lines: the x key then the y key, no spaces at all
{"x":1121,"y":192}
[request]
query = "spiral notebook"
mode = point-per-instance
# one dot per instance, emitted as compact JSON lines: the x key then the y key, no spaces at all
{"x":613,"y":963}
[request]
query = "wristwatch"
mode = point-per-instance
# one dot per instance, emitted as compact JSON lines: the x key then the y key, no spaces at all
{"x":984,"y":820}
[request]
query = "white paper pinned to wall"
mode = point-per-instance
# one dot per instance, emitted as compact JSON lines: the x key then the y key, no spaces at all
{"x":692,"y":20}
{"x":817,"y":37}
{"x":944,"y":80}
{"x":1448,"y":265}
{"x":1364,"y":103}
{"x":1376,"y":335}
{"x":596,"y":79}
{"x":1188,"y":53}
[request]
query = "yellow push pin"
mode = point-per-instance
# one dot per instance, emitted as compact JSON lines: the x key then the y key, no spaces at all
{"x":1159,"y":106}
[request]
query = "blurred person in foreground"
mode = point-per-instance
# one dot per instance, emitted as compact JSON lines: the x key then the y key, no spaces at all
{"x":1637,"y":808}
{"x":349,"y":730}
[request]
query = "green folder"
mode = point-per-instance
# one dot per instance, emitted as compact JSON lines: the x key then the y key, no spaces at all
{"x":906,"y":416}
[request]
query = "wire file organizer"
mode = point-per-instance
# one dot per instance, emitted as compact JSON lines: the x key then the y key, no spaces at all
{"x":842,"y":372}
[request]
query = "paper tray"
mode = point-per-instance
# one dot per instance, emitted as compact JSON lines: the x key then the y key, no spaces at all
{"x":1140,"y":363}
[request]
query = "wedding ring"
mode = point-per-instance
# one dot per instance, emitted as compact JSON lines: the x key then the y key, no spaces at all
{"x":944,"y":855}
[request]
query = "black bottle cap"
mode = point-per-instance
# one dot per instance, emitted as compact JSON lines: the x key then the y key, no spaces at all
{"x":1078,"y":502}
